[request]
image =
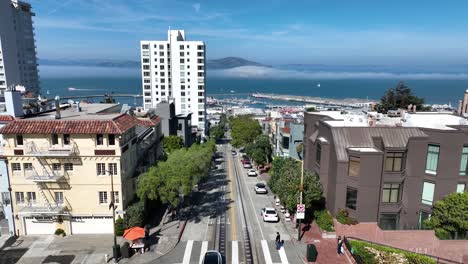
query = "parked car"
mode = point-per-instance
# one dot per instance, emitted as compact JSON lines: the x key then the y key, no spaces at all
{"x":269,"y":214}
{"x":252,"y":172}
{"x":245,"y":161}
{"x":260,"y":188}
{"x":247,"y":165}
{"x":212,"y":257}
{"x":233,"y":152}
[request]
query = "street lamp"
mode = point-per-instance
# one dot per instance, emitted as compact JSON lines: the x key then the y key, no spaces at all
{"x":301,"y":189}
{"x":115,"y":248}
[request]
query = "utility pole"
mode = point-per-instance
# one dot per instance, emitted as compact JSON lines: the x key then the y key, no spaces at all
{"x":301,"y":188}
{"x":115,"y":248}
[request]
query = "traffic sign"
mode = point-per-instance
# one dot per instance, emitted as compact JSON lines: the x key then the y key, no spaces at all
{"x":300,"y":211}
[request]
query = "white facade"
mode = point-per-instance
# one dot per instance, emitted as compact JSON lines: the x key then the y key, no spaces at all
{"x":18,"y":63}
{"x":175,"y":69}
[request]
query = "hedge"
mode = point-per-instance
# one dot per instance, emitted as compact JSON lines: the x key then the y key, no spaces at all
{"x":324,"y":220}
{"x":359,"y":248}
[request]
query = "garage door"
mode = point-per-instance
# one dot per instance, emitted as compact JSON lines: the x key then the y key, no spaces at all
{"x":92,"y":225}
{"x":40,"y":225}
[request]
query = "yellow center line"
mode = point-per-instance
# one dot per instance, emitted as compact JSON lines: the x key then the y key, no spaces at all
{"x":233,"y":219}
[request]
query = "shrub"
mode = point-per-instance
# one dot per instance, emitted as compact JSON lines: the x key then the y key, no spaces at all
{"x":120,"y":226}
{"x":310,"y":109}
{"x":135,"y":214}
{"x":343,"y":218}
{"x":59,"y":231}
{"x":324,"y":220}
{"x":442,"y":233}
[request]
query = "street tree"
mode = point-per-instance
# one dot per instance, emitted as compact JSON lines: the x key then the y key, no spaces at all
{"x":216,"y":132}
{"x":244,"y":130}
{"x":449,"y":216}
{"x":171,"y":143}
{"x":260,"y":150}
{"x":400,"y":97}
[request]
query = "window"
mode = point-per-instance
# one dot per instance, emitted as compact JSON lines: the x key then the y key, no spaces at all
{"x":200,"y":60}
{"x":182,"y":93}
{"x":58,"y":197}
{"x":200,"y":47}
{"x":393,"y":161}
{"x":285,"y":143}
{"x":102,"y":197}
{"x":432,"y":159}
{"x":318,"y":153}
{"x":116,"y":197}
{"x":145,"y":60}
{"x":68,"y":166}
{"x":31,"y":196}
{"x":200,"y":87}
{"x":146,"y":74}
{"x":388,"y":221}
{"x":464,"y":161}
{"x":54,"y":139}
{"x":99,"y":139}
{"x":182,"y":61}
{"x":351,"y":198}
{"x":15,"y":167}
{"x":111,"y":138}
{"x":182,"y":67}
{"x":161,"y":61}
{"x":179,"y":127}
{"x":19,"y":140}
{"x":391,"y":193}
{"x":200,"y":94}
{"x":161,"y":46}
{"x":460,"y":188}
{"x":161,"y":74}
{"x":422,"y":217}
{"x":27,"y":166}
{"x":19,"y":196}
{"x":6,"y":198}
{"x":181,"y":47}
{"x":161,"y":53}
{"x":56,"y":166}
{"x":145,"y":46}
{"x":200,"y":119}
{"x":101,"y":169}
{"x":354,"y":168}
{"x":66,"y":139}
{"x":200,"y":54}
{"x":161,"y":67}
{"x":146,"y":67}
{"x":147,"y":81}
{"x":428,"y":193}
{"x":182,"y":54}
{"x":113,"y":168}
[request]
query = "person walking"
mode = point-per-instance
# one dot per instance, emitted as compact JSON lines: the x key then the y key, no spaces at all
{"x":340,"y":243}
{"x":277,"y":240}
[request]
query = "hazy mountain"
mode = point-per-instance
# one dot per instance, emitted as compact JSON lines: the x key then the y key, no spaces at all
{"x":218,"y":64}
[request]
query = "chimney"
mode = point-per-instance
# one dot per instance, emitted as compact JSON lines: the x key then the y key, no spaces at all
{"x":414,"y":108}
{"x":57,"y":107}
{"x":460,"y":106}
{"x":410,"y":107}
{"x":14,"y":103}
{"x":465,"y":103}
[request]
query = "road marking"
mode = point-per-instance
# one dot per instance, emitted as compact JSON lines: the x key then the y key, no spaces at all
{"x":235,"y":253}
{"x":204,"y":248}
{"x":231,"y":194}
{"x":266,"y":252}
{"x":188,"y":252}
{"x":282,"y":253}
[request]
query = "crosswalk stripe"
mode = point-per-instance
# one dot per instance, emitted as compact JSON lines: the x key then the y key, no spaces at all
{"x":235,"y":253}
{"x":188,"y":252}
{"x":266,"y":252}
{"x":204,"y":248}
{"x":282,"y":253}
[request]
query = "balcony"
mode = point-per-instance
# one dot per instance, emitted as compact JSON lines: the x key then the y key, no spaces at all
{"x":48,"y":150}
{"x":36,"y":209}
{"x":45,"y":177}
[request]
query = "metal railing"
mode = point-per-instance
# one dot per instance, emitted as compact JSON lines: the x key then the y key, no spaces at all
{"x":359,"y":260}
{"x":51,"y":150}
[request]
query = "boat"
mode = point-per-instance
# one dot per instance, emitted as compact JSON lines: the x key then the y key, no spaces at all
{"x":318,"y":85}
{"x":232,"y":91}
{"x":71,"y":89}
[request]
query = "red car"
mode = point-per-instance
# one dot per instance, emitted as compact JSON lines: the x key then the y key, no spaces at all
{"x":245,"y":161}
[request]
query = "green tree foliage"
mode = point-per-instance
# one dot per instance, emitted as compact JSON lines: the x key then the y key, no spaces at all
{"x":285,"y":181}
{"x":223,"y":121}
{"x":174,"y":178}
{"x":400,"y":97}
{"x":171,"y":143}
{"x":120,"y":226}
{"x":216,"y":132}
{"x":135,"y":214}
{"x":244,"y":130}
{"x":450,"y":216}
{"x":260,"y":150}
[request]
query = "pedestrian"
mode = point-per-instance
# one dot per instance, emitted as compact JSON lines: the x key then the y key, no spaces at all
{"x":340,"y":243}
{"x":277,"y":240}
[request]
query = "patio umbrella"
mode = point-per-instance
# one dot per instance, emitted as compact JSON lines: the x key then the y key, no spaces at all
{"x":134,"y":233}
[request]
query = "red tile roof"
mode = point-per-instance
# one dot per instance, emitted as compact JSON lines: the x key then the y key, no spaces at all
{"x":118,"y":125}
{"x":154,"y":120}
{"x":4,"y":118}
{"x":286,"y":130}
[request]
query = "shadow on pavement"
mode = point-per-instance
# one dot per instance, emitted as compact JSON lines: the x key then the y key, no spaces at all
{"x":64,"y":259}
{"x":12,"y":255}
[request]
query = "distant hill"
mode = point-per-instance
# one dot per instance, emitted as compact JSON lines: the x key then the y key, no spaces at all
{"x":230,"y":62}
{"x":224,"y":63}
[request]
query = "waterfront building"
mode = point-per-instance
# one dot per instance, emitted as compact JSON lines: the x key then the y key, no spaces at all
{"x":6,"y":214}
{"x":389,"y":170}
{"x":18,"y":63}
{"x":175,"y":69}
{"x":60,"y":165}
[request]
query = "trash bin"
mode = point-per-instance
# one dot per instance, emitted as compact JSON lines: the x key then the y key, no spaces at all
{"x":125,"y":250}
{"x":311,"y":253}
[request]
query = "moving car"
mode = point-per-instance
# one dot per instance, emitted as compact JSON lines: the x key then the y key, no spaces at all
{"x":269,"y":214}
{"x":244,"y":161}
{"x":233,"y":152}
{"x":212,"y":257}
{"x":247,"y":166}
{"x":252,"y":172}
{"x":260,"y":188}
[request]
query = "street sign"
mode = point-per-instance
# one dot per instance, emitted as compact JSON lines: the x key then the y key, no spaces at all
{"x":300,"y":211}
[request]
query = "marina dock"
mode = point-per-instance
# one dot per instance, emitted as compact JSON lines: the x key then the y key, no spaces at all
{"x":348,"y":102}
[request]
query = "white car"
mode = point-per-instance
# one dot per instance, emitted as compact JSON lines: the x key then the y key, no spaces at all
{"x":252,"y":173}
{"x":260,"y":188}
{"x":269,"y":214}
{"x":247,"y":166}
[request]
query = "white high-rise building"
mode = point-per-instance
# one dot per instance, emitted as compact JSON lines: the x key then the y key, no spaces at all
{"x":174,"y":70}
{"x":18,"y":63}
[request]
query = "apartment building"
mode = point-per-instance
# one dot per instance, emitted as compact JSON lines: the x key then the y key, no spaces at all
{"x":18,"y":63}
{"x":61,"y":165}
{"x":175,"y":69}
{"x":389,"y":170}
{"x":6,"y":214}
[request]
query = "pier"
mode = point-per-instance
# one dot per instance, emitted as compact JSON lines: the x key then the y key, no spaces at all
{"x":348,"y":102}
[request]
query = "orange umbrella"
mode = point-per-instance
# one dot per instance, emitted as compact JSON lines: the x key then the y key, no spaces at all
{"x":134,"y":233}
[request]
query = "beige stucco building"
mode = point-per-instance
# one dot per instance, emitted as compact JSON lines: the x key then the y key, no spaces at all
{"x":60,"y":168}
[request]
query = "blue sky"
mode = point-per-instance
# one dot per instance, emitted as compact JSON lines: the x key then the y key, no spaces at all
{"x":273,"y":32}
